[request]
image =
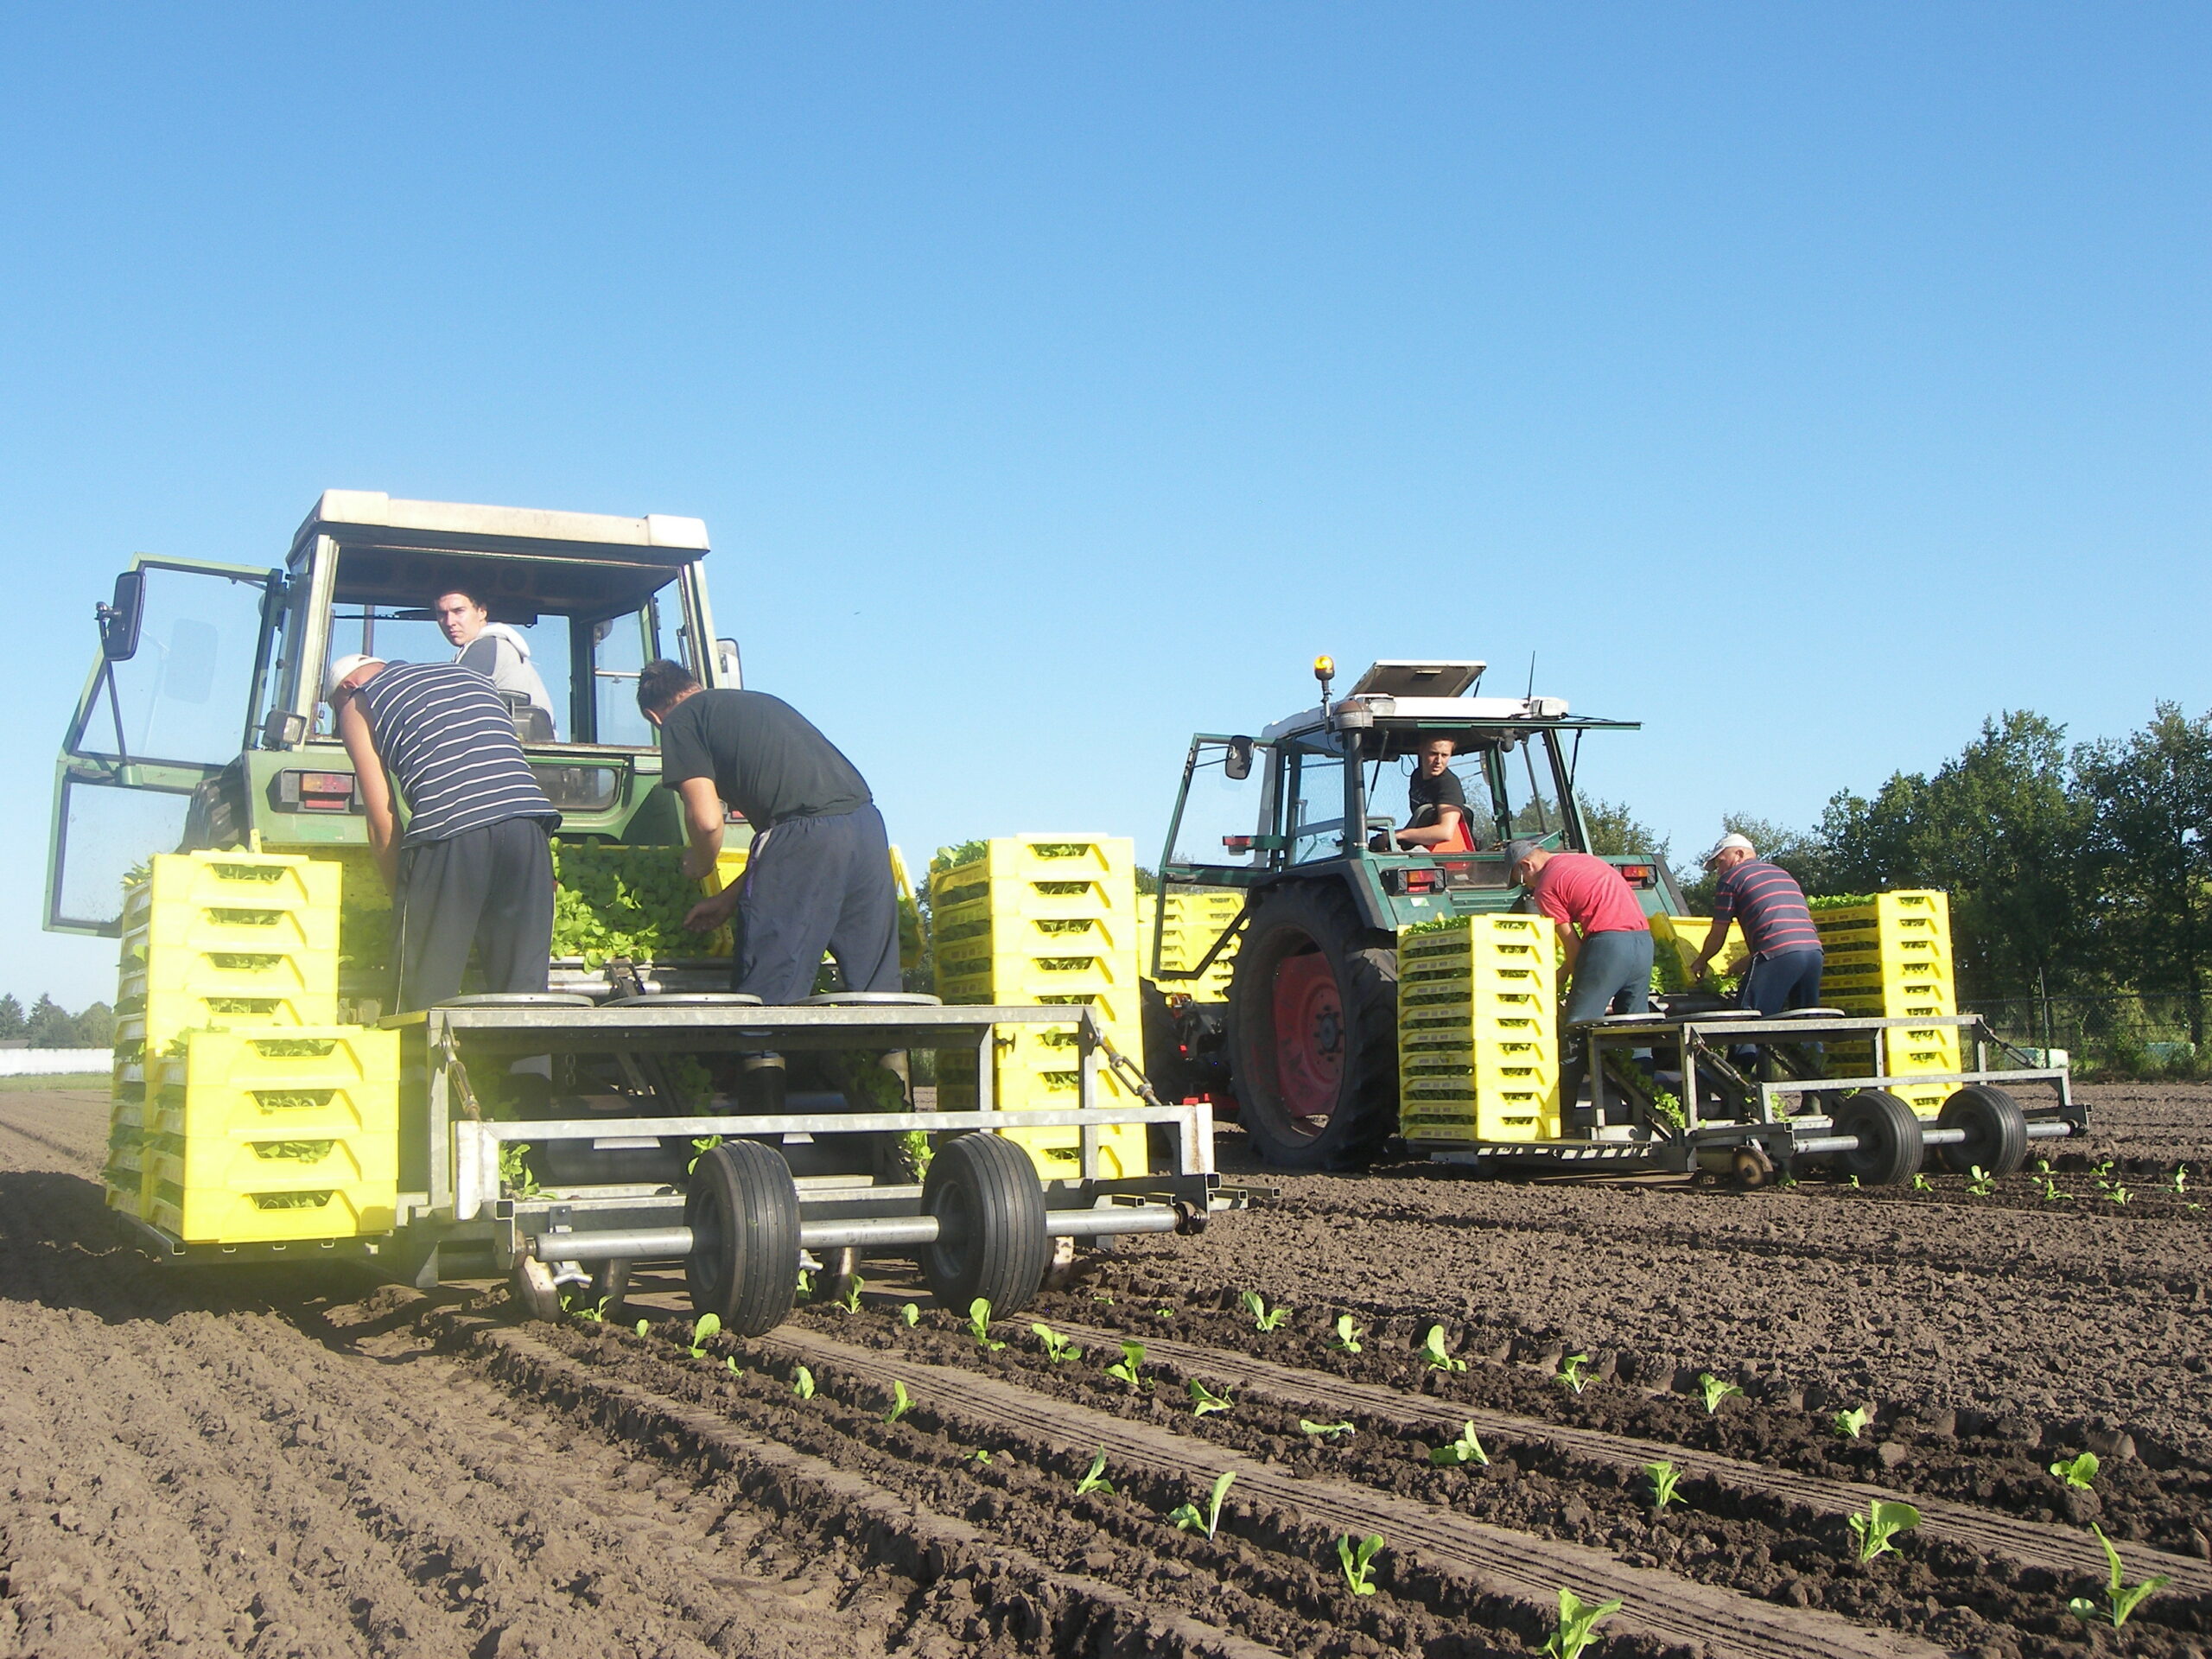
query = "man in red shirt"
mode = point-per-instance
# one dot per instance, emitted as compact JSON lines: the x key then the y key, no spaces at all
{"x":1601,"y":928}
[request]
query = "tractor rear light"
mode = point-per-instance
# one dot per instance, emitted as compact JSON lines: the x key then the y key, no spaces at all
{"x":1638,"y":875}
{"x":314,"y":791}
{"x":1237,"y":843}
{"x":1424,"y":880}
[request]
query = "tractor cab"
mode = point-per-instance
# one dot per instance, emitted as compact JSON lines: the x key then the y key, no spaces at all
{"x":203,"y":724}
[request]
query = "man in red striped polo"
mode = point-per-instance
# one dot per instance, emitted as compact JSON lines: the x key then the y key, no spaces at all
{"x":1778,"y":931}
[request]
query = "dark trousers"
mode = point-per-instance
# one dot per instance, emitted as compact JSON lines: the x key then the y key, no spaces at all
{"x":491,"y":889}
{"x":814,"y":885}
{"x":1787,"y":980}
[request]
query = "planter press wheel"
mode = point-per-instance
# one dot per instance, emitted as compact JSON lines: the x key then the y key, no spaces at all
{"x":536,"y":1296}
{"x":610,"y":1287}
{"x":984,"y":1192}
{"x":1996,"y":1130}
{"x":1889,"y":1148}
{"x":743,"y":1208}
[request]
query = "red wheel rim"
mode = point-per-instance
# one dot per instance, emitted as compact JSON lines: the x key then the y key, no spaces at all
{"x":1309,"y":1017}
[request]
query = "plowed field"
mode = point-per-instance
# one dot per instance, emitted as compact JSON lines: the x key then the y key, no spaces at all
{"x":303,"y":1463}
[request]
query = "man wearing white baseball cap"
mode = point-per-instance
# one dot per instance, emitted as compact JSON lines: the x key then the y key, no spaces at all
{"x":1786,"y":957}
{"x":474,"y":868}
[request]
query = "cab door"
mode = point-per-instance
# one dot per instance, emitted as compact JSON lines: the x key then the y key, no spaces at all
{"x":184,"y":646}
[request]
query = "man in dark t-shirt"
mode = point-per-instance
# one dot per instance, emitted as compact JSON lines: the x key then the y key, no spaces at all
{"x":819,"y":875}
{"x":1438,"y":822}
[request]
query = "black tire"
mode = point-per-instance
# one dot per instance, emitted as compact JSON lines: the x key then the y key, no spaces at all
{"x":1890,"y":1146}
{"x":1336,"y":1101}
{"x":1996,"y":1131}
{"x":985,"y":1192}
{"x":743,"y":1208}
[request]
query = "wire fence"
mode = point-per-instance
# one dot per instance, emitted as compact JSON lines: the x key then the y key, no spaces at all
{"x":2119,"y":1034}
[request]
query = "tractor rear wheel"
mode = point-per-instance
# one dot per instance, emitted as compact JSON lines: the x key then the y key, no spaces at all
{"x":1889,"y":1150}
{"x":1996,"y":1131}
{"x":1313,"y":1030}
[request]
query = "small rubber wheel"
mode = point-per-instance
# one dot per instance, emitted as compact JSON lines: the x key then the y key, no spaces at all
{"x":1888,"y":1149}
{"x":1996,"y":1130}
{"x":1750,"y":1167}
{"x":537,"y":1297}
{"x":743,"y":1208}
{"x":989,"y":1206}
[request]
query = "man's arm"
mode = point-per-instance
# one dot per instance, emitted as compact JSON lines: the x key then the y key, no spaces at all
{"x":1724,"y":914}
{"x":703,"y":826}
{"x":1433,"y":835}
{"x":376,"y":790}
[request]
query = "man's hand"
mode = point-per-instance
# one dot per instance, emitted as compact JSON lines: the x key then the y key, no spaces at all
{"x":710,"y":914}
{"x":1697,"y":967}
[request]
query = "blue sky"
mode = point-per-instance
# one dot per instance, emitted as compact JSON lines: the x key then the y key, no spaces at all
{"x":1807,"y":382}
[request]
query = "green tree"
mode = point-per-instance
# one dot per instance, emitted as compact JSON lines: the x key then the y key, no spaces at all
{"x":1617,"y":832}
{"x":2148,"y":866}
{"x":1869,"y":843}
{"x":1803,"y":855}
{"x":12,"y":1023}
{"x":95,"y":1027}
{"x":50,"y":1025}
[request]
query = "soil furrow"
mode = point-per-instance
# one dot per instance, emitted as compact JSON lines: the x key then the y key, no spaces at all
{"x":1988,"y":1532}
{"x":1524,"y":1569}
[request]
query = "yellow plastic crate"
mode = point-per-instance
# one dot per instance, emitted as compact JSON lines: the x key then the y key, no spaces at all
{"x":179,"y":884}
{"x":167,"y":1016}
{"x":1502,"y":1115}
{"x":243,"y":1164}
{"x":1019,"y":981}
{"x":1918,"y":912}
{"x":1019,"y":873}
{"x":273,"y":1215}
{"x":1684,"y":936}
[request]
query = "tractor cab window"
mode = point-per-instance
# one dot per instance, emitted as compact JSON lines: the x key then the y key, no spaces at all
{"x":1221,"y":813}
{"x":412,"y":634}
{"x":1525,"y":788}
{"x":1313,"y":791}
{"x":1390,"y":781}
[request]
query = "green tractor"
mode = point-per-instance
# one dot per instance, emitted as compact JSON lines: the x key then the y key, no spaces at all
{"x":1302,"y":820}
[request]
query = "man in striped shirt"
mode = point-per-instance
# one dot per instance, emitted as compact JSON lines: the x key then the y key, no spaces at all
{"x":1778,"y":931}
{"x":473,"y":868}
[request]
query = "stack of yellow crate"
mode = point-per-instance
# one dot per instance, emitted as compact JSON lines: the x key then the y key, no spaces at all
{"x":1477,"y":1032}
{"x":259,"y":1118}
{"x":1196,"y":918}
{"x":1049,"y":919}
{"x":1891,"y":956}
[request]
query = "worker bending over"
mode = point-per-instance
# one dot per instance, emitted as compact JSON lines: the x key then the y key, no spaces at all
{"x":819,"y":874}
{"x":1785,"y":947}
{"x":1603,"y":932}
{"x":495,"y":650}
{"x":1439,"y":820}
{"x":474,"y":868}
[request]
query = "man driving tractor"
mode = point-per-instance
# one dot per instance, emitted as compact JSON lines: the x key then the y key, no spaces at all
{"x":1438,"y":822}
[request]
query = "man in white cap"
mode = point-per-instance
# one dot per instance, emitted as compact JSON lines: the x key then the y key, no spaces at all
{"x":474,"y":868}
{"x":1785,"y":947}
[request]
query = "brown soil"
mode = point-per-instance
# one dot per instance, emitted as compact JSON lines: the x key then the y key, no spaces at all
{"x":246,"y":1460}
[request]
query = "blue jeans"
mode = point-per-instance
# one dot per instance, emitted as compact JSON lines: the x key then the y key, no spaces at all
{"x":1612,"y":975}
{"x":1786,"y":980}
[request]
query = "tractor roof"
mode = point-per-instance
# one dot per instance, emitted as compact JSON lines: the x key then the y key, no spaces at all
{"x":1407,"y":695}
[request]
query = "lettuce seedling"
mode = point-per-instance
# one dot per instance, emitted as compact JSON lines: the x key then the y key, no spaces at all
{"x":2050,"y":1192}
{"x":1921,"y":1183}
{"x":1851,"y":1424}
{"x":1570,"y":1371}
{"x":1980,"y":1184}
{"x":981,"y":1454}
{"x":2117,"y":1193}
{"x":805,"y":1291}
{"x":2180,"y":1180}
{"x":730,"y":1360}
{"x":979,"y":1325}
{"x":910,"y":1315}
{"x":1056,"y":1347}
{"x":803,"y":1382}
{"x":1714,"y":1391}
{"x":901,"y":1402}
{"x":1323,"y":1430}
{"x":1105,"y":1296}
{"x":704,"y":1329}
{"x":1187,"y":1517}
{"x":1468,"y":1448}
{"x":1432,"y":1351}
{"x":1204,"y":1399}
{"x":1578,"y":1624}
{"x":1094,"y":1479}
{"x":700,"y":1148}
{"x":596,"y":1314}
{"x":2121,"y":1597}
{"x":2078,"y":1473}
{"x":1348,"y":1334}
{"x":1358,"y":1562}
{"x":1126,"y":1367}
{"x":850,"y":1301}
{"x":645,"y":1326}
{"x":1664,"y":1477}
{"x":1263,"y":1318}
{"x":1873,"y":1531}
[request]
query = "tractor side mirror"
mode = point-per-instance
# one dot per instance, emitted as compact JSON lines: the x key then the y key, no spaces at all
{"x":728,"y":667}
{"x":1236,"y":764}
{"x":119,"y":621}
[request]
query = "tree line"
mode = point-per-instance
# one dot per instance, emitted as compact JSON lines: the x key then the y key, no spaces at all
{"x":48,"y":1025}
{"x":2078,"y":870}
